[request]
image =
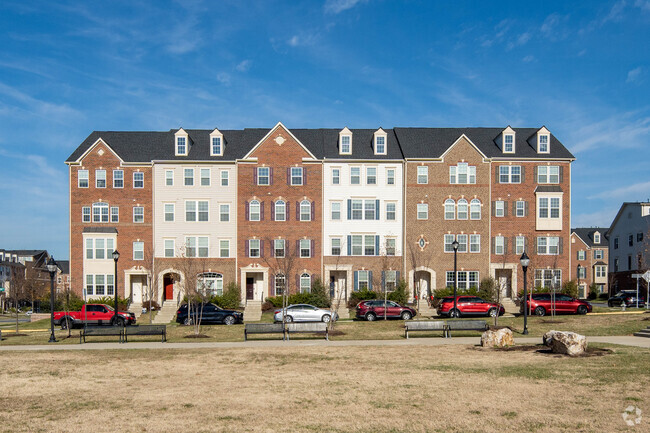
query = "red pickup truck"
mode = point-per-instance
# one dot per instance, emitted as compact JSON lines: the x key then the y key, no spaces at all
{"x":93,"y":314}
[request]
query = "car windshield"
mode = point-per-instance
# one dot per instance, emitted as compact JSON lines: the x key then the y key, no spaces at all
{"x":109,"y":308}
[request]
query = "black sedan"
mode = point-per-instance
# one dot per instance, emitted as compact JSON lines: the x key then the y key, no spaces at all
{"x":627,"y":297}
{"x":211,"y":314}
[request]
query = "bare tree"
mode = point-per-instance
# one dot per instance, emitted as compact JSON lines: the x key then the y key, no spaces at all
{"x":419,"y":257}
{"x":281,"y":263}
{"x":151,"y":269}
{"x":17,"y":289}
{"x":388,"y":263}
{"x":194,"y":286}
{"x":338,"y":297}
{"x":34,"y":286}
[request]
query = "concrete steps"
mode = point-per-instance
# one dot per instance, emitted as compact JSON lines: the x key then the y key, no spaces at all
{"x":135,"y":309}
{"x":253,"y":311}
{"x":510,"y":306}
{"x":643,"y":333}
{"x":166,"y":313}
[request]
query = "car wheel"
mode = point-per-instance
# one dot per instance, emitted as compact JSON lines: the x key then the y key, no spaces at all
{"x":118,"y":322}
{"x":581,"y":310}
{"x":540,"y":311}
{"x":454,"y":314}
{"x":326,"y":318}
{"x":371,"y":317}
{"x":229,"y":320}
{"x":65,"y":323}
{"x":406,"y":315}
{"x":288,"y":319}
{"x":188,"y":321}
{"x":492,"y":312}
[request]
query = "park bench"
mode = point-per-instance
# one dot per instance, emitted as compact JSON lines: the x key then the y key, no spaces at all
{"x":465,"y":325}
{"x":264,"y":328}
{"x":424,"y":325}
{"x":101,"y":331}
{"x":146,"y":330}
{"x":308,"y":328}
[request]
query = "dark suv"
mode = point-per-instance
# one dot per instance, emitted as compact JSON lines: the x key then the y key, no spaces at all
{"x":371,"y":310}
{"x":469,"y":306}
{"x":211,"y":314}
{"x":542,"y":304}
{"x":625,"y":296}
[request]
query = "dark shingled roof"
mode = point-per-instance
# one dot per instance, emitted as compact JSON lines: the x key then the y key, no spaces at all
{"x":99,"y":230}
{"x":587,"y":235}
{"x":548,"y":188}
{"x":134,"y":146}
{"x":64,"y":265}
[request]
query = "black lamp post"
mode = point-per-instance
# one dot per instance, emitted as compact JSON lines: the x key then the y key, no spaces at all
{"x":116,"y":256}
{"x":525,"y":261}
{"x":579,"y":268}
{"x":51,"y":268}
{"x":454,"y":244}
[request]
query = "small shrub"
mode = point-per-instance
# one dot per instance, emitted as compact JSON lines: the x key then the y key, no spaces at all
{"x":361,"y":295}
{"x":400,"y":294}
{"x":123,"y":304}
{"x":570,"y":287}
{"x":268,"y":306}
{"x":488,"y":289}
{"x":231,"y":297}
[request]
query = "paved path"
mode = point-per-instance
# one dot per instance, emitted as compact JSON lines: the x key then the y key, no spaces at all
{"x":415,"y":341}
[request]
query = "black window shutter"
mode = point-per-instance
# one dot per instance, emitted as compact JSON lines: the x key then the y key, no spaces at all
{"x":304,"y":175}
{"x":261,"y":248}
{"x":313,"y":207}
{"x":272,"y":211}
{"x":561,"y":174}
{"x":349,"y":209}
{"x":505,"y":208}
{"x":523,"y":174}
{"x":254,"y":175}
{"x":289,"y":176}
{"x":297,"y":211}
{"x":270,"y":175}
{"x":286,"y":210}
{"x":261,"y":211}
{"x":246,"y":210}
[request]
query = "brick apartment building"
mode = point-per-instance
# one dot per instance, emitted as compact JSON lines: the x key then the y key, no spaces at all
{"x":590,"y":250}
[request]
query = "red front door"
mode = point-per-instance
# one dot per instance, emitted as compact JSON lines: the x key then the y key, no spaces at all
{"x":169,"y":288}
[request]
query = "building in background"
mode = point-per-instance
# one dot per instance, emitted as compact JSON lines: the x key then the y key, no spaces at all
{"x":590,"y":250}
{"x":629,"y":245}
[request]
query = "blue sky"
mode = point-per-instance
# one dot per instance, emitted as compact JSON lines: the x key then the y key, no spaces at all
{"x":68,"y":68}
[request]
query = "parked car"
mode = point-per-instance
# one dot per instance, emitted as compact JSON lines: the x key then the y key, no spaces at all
{"x":625,"y":296}
{"x":93,"y":314}
{"x":305,"y":313}
{"x":371,"y":310}
{"x":541,"y":304}
{"x":212,"y":313}
{"x":469,"y":306}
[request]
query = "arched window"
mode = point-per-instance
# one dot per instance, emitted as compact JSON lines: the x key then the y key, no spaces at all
{"x":280,"y":211}
{"x":254,"y":211}
{"x":462,"y":209}
{"x":305,"y":283}
{"x":279,"y":284}
{"x":305,"y":210}
{"x":475,"y":209}
{"x":450,"y":209}
{"x":210,"y":283}
{"x":100,"y":212}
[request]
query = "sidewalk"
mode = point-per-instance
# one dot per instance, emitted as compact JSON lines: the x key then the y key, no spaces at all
{"x":622,"y":340}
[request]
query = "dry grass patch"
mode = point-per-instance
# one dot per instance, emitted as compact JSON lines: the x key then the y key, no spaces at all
{"x":321,"y":389}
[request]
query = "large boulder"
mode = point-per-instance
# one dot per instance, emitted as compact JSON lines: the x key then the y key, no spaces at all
{"x":497,"y":338}
{"x":567,"y":343}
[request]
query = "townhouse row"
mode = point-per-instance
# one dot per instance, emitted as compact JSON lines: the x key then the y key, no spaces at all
{"x":273,"y":210}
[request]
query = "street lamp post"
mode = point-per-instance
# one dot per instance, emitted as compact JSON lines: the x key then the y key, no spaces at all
{"x":454,"y":244}
{"x":525,"y":261}
{"x":51,"y":268}
{"x":116,"y":257}
{"x":579,"y":268}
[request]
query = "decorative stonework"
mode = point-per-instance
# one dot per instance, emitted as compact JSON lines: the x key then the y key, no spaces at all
{"x":280,"y":140}
{"x":422,"y":243}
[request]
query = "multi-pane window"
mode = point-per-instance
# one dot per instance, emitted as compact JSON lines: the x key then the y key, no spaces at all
{"x":181,"y":146}
{"x":520,"y":208}
{"x":296,"y":175}
{"x":197,"y":246}
{"x":204,"y":210}
{"x":549,"y":207}
{"x":264,"y":176}
{"x":224,"y":212}
{"x":99,"y":248}
{"x":89,"y":248}
{"x":205,"y":176}
{"x":224,"y":248}
{"x":280,"y":210}
{"x":210,"y":283}
{"x":254,"y":248}
{"x":278,"y":247}
{"x":508,"y":143}
{"x":391,"y":245}
{"x":196,"y":211}
{"x":305,"y":248}
{"x":390,"y":176}
{"x":371,"y":175}
{"x":423,"y":211}
{"x":449,"y":240}
{"x":138,"y":179}
{"x":169,"y":177}
{"x":138,"y":250}
{"x":499,"y":245}
{"x":357,"y":209}
{"x":462,"y":243}
{"x":543,"y":144}
{"x":462,"y":173}
{"x":582,"y":272}
{"x":100,"y":178}
{"x":582,"y":255}
{"x":450,"y":209}
{"x":380,"y":145}
{"x":547,"y":278}
{"x":138,"y":214}
{"x":520,"y":244}
{"x":462,"y":209}
{"x":357,"y":245}
{"x":118,"y":178}
{"x":423,"y":174}
{"x":89,"y":284}
{"x":390,"y":278}
{"x":336,"y":210}
{"x":110,"y":285}
{"x":390,"y":211}
{"x":345,"y":144}
{"x":548,"y":174}
{"x":369,"y":245}
{"x":169,"y":248}
{"x":305,"y":283}
{"x":499,"y":208}
{"x":100,"y":212}
{"x":363,"y":277}
{"x":216,"y":145}
{"x":305,"y":210}
{"x":336,"y":176}
{"x":355,"y":175}
{"x":224,"y":177}
{"x":548,"y":245}
{"x":369,"y":209}
{"x":475,"y":209}
{"x":254,"y":210}
{"x":115,"y":214}
{"x":598,"y":254}
{"x":336,"y":246}
{"x":616,"y":243}
{"x":188,"y":176}
{"x":82,"y":176}
{"x":601,"y":271}
{"x":597,"y":237}
{"x":85,"y":214}
{"x":474,"y":243}
{"x":279,"y":284}
{"x":190,"y":211}
{"x":169,"y":212}
{"x":466,"y":279}
{"x":99,"y":284}
{"x":510,"y":174}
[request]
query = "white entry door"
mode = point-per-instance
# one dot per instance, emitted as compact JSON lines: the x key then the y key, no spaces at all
{"x":136,"y":288}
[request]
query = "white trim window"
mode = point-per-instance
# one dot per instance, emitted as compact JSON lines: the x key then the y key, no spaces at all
{"x":305,"y":283}
{"x":462,"y":209}
{"x":115,"y":214}
{"x":548,"y":245}
{"x":542,"y":145}
{"x":370,"y":242}
{"x":82,"y":179}
{"x":210,"y":283}
{"x":254,"y":210}
{"x":423,"y":211}
{"x":118,"y":178}
{"x":336,"y":210}
{"x":216,"y":146}
{"x":466,"y":279}
{"x":254,"y":248}
{"x":582,"y":272}
{"x":520,"y":208}
{"x":197,"y":246}
{"x":138,"y":250}
{"x":169,"y":177}
{"x":305,"y":248}
{"x":450,"y":209}
{"x":474,"y":243}
{"x":597,"y":238}
{"x":205,"y":176}
{"x":356,"y":246}
{"x":363,"y":280}
{"x":462,"y":243}
{"x":188,"y":177}
{"x":264,"y":176}
{"x":357,"y":209}
{"x":448,"y":241}
{"x":346,"y":144}
{"x":499,"y":245}
{"x":391,"y":211}
{"x":99,"y":248}
{"x":181,"y":146}
{"x":391,"y":246}
{"x":169,"y":212}
{"x":549,"y":207}
{"x":224,"y":212}
{"x":510,"y":174}
{"x":170,"y":248}
{"x":600,"y":271}
{"x":598,"y":254}
{"x":197,"y":211}
{"x":582,"y":255}
{"x":305,"y":210}
{"x":224,"y":248}
{"x":336,"y":246}
{"x":423,"y":174}
{"x":499,"y":208}
{"x":280,"y":210}
{"x":279,"y":248}
{"x":225,"y":174}
{"x":85,"y":214}
{"x":138,"y":214}
{"x":508,"y":143}
{"x":546,"y":278}
{"x":548,"y":174}
{"x":520,"y":244}
{"x":279,"y":283}
{"x":369,"y":209}
{"x":100,"y":212}
{"x":462,"y":174}
{"x":100,"y":178}
{"x":475,"y":209}
{"x":355,"y":175}
{"x":296,"y":176}
{"x":138,"y":180}
{"x":371,"y":175}
{"x":336,"y":176}
{"x":380,"y":145}
{"x":390,"y":176}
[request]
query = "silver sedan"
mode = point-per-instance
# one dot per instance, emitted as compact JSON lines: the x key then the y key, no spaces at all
{"x":305,"y":313}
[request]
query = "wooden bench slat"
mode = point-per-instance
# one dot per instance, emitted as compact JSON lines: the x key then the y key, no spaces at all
{"x":263,"y":328}
{"x":424,"y":325}
{"x":308,"y":328}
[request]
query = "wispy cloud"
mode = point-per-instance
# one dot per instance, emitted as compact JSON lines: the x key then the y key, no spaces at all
{"x":625,"y":131}
{"x":61,"y":113}
{"x":643,"y":4}
{"x":634,"y":75}
{"x":635,"y":192}
{"x":599,"y":218}
{"x":529,"y":58}
{"x":521,"y":40}
{"x":243,"y":66}
{"x":554,"y":27}
{"x":338,"y":6}
{"x":223,"y":78}
{"x":615,"y":13}
{"x":303,"y":39}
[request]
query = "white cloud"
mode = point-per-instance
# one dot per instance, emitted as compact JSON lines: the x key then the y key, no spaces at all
{"x":616,"y":12}
{"x":529,"y":58}
{"x":520,"y":41}
{"x":633,"y":75}
{"x":643,"y":4}
{"x":303,"y":39}
{"x":223,"y":78}
{"x":338,"y":6}
{"x":635,"y":192}
{"x":600,"y":218}
{"x":243,"y":66}
{"x":623,"y":131}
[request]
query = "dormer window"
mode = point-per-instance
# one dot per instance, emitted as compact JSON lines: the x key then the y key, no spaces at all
{"x":216,"y":143}
{"x":509,"y":143}
{"x":596,"y":238}
{"x":380,"y":139}
{"x":543,"y":140}
{"x":181,"y":142}
{"x":543,"y":144}
{"x":345,"y":142}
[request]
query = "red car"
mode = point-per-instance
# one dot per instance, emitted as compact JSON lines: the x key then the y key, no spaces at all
{"x":541,"y":304}
{"x":469,"y":306}
{"x":371,"y":310}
